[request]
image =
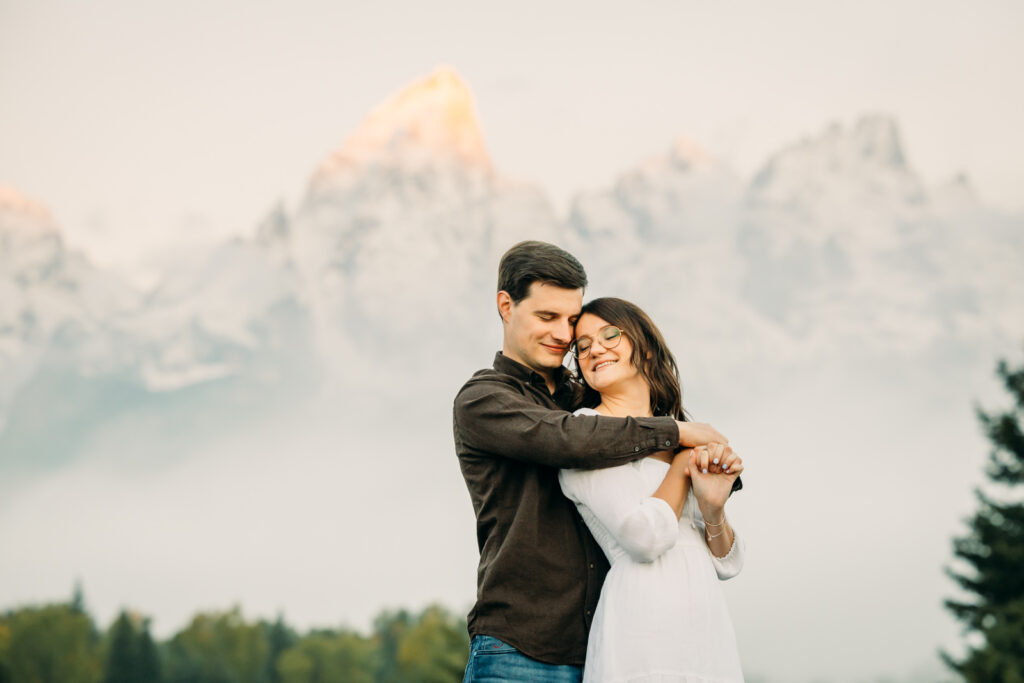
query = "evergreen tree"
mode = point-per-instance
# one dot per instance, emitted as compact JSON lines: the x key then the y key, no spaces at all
{"x":389,"y":629}
{"x":279,"y":639}
{"x":78,"y":598}
{"x":122,"y":655}
{"x":131,"y":654}
{"x":148,"y":660}
{"x":994,"y":550}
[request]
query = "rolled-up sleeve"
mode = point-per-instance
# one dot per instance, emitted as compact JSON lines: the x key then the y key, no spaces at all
{"x":644,"y":526}
{"x":491,"y":419}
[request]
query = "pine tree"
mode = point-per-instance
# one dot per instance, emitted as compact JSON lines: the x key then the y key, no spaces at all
{"x":148,"y":660}
{"x":121,"y":657}
{"x":132,"y":655}
{"x":78,"y":598}
{"x":994,"y":549}
{"x":390,"y":628}
{"x":279,"y":638}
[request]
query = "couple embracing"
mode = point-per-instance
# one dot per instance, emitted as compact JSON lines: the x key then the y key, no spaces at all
{"x":600,"y":507}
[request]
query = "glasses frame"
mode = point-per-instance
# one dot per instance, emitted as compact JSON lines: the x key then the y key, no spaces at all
{"x":606,"y":347}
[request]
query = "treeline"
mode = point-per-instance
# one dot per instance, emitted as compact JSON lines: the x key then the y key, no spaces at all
{"x":61,"y":643}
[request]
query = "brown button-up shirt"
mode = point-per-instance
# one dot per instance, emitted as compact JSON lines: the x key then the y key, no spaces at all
{"x":540,"y":571}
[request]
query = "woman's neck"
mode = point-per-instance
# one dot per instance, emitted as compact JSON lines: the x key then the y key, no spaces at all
{"x":632,"y":400}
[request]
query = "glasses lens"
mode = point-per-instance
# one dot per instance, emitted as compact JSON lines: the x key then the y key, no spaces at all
{"x":610,"y":337}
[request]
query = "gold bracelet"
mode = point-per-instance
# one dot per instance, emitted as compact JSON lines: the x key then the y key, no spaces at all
{"x":707,"y":523}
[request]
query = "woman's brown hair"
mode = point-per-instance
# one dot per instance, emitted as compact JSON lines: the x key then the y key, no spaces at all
{"x":650,"y":355}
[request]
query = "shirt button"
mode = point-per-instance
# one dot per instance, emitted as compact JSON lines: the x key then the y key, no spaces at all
{"x":636,"y":449}
{"x":591,"y":565}
{"x":668,"y":443}
{"x":588,"y":613}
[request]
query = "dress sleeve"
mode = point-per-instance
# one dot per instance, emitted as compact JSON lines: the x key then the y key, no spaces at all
{"x":730,"y":565}
{"x":644,"y":526}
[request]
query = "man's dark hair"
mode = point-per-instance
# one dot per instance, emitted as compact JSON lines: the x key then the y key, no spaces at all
{"x":532,"y":261}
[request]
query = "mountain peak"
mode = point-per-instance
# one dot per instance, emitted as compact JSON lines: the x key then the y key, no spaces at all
{"x":17,"y":210}
{"x":433,"y":117}
{"x":868,"y":156}
{"x":877,"y":137}
{"x":687,"y":152}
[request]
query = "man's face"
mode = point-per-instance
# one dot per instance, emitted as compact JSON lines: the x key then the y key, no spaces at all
{"x":538,"y":330}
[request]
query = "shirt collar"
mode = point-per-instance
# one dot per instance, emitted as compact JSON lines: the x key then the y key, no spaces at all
{"x":504,"y":364}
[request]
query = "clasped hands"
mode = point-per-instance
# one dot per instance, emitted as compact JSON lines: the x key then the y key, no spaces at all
{"x":708,"y":449}
{"x":713,"y":466}
{"x":712,"y":470}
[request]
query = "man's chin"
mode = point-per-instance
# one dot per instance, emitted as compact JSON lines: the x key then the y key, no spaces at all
{"x":549,"y":362}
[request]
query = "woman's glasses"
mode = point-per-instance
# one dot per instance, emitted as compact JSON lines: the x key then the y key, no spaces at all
{"x":609,"y":337}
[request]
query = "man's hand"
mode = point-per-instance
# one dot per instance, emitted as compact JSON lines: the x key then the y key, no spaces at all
{"x":698,"y":434}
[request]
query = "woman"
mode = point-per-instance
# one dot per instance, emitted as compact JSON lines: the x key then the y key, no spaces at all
{"x":661,"y":616}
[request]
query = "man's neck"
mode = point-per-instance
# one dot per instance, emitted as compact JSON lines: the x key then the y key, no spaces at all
{"x":549,"y":378}
{"x":549,"y":374}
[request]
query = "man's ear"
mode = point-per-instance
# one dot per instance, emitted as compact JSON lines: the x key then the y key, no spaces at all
{"x":504,"y":306}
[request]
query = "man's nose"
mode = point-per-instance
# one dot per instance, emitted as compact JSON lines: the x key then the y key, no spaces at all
{"x":563,"y":333}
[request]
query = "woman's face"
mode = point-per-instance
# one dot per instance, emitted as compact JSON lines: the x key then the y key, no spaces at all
{"x":604,"y":368}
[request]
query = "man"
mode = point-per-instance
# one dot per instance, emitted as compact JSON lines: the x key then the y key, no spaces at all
{"x":540,"y":571}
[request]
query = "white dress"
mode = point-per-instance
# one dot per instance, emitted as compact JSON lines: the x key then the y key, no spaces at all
{"x":662,"y":617}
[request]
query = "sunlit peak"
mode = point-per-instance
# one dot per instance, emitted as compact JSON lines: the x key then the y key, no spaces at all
{"x":30,"y":212}
{"x":686,"y":149}
{"x":435,"y":115}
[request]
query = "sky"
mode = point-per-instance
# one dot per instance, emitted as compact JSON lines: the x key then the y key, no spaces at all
{"x":145,"y":127}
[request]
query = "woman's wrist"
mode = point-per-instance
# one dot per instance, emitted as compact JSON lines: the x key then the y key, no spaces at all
{"x":712,"y":514}
{"x":680,"y":467}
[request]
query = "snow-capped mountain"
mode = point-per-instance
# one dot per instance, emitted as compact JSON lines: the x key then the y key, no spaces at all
{"x":235,"y":310}
{"x":685,"y":196}
{"x":386,"y":268}
{"x":401,"y":229}
{"x":835,"y":246}
{"x":56,"y":306}
{"x":843,"y":240}
{"x":428,"y":122}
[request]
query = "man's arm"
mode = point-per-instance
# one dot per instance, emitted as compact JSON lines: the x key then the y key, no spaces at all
{"x":492,"y":417}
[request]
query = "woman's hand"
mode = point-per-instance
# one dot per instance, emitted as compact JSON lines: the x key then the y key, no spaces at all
{"x":715,"y":458}
{"x":698,"y":434}
{"x":711,"y":487}
{"x":712,"y":490}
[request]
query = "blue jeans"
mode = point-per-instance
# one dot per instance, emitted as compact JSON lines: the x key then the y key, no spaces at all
{"x":492,"y":661}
